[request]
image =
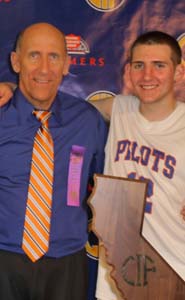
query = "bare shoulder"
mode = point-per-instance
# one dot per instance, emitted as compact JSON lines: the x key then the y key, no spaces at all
{"x":104,"y":106}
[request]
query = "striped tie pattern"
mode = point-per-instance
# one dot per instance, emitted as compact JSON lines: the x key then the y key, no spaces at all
{"x":38,"y":210}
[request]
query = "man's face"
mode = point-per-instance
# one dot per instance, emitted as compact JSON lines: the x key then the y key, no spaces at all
{"x":41,"y":63}
{"x":152,"y":73}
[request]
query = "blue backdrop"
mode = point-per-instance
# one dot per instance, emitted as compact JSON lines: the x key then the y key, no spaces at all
{"x":99,"y":34}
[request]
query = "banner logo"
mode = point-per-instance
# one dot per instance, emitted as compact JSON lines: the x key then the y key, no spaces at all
{"x":76,"y":45}
{"x":78,"y":49}
{"x":105,"y":5}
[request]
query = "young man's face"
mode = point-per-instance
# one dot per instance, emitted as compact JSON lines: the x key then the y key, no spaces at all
{"x":152,"y":73}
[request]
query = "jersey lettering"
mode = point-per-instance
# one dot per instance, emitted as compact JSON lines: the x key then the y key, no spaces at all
{"x":129,"y":150}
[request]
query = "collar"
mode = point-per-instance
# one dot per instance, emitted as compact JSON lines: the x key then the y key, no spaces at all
{"x":25,"y":108}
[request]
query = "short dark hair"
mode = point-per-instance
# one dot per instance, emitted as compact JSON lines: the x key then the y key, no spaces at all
{"x":159,"y":38}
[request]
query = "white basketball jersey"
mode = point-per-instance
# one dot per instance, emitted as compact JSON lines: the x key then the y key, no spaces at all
{"x":140,"y":149}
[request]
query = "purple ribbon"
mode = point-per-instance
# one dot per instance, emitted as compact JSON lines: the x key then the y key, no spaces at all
{"x":74,"y":176}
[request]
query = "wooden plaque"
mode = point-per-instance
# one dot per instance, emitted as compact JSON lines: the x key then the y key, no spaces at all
{"x":139,"y":271}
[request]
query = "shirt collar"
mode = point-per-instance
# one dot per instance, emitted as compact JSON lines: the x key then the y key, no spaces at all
{"x":25,"y":108}
{"x":56,"y":109}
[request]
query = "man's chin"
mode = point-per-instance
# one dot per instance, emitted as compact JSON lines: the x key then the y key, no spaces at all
{"x":147,"y":97}
{"x":41,"y":101}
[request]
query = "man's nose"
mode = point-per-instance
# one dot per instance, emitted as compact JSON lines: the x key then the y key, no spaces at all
{"x":44,"y":65}
{"x":148,"y":72}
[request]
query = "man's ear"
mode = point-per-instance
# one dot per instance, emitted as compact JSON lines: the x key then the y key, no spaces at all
{"x":128,"y":88}
{"x":66,"y":65}
{"x":179,"y":73}
{"x":14,"y":58}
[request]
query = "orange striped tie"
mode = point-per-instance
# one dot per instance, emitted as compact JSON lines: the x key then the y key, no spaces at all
{"x":38,"y":210}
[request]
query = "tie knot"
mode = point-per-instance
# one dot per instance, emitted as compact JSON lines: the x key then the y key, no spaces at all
{"x":42,"y":115}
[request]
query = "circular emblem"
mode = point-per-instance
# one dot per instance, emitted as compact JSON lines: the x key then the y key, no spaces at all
{"x":105,"y":5}
{"x":98,"y":95}
{"x":181,"y":41}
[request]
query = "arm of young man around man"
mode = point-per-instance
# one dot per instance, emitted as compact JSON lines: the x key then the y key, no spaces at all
{"x":104,"y":105}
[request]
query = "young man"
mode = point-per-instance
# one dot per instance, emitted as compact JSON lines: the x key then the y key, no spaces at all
{"x":147,"y":140}
{"x":43,"y":195}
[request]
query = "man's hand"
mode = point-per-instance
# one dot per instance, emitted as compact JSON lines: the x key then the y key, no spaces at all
{"x":183,"y":212}
{"x":6,"y":92}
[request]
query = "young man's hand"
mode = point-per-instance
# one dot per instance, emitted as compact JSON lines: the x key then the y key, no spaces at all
{"x":183,"y":212}
{"x":6,"y":92}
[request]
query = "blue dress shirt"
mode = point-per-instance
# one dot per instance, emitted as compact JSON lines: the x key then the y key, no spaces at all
{"x":73,"y":122}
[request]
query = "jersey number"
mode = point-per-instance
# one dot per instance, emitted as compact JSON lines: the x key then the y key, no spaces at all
{"x":148,"y":206}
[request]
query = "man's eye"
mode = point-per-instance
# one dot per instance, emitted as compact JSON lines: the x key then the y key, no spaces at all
{"x":138,"y":66}
{"x":54,"y":56}
{"x":34,"y":55}
{"x":160,"y":65}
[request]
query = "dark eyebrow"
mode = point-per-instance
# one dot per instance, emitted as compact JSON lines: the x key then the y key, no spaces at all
{"x":159,"y":62}
{"x":153,"y":61}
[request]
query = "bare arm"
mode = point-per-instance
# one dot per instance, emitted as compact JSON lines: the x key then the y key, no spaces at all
{"x":183,"y":212}
{"x":6,"y":92}
{"x":104,"y":106}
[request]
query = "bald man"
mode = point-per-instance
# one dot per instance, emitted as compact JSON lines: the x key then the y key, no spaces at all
{"x":78,"y":132}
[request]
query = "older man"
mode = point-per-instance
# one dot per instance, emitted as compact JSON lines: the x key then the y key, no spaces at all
{"x":50,"y":145}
